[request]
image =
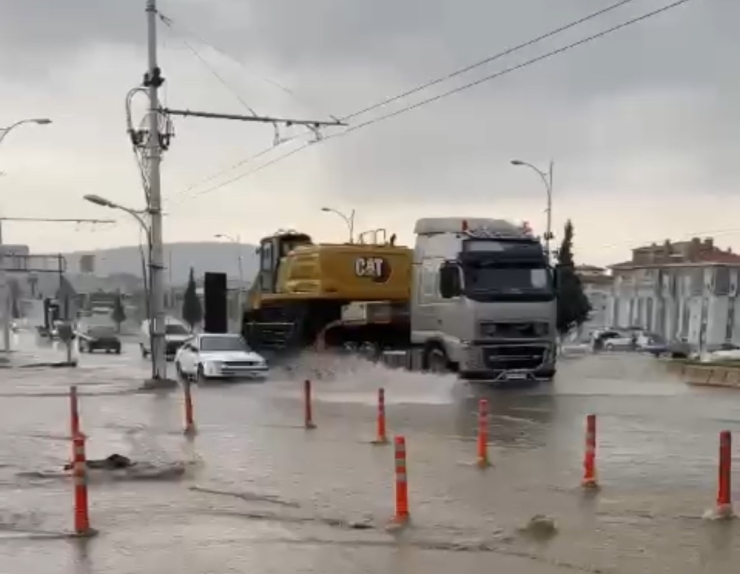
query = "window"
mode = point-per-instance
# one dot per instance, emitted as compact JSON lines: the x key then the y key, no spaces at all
{"x":223,"y":343}
{"x":721,"y":281}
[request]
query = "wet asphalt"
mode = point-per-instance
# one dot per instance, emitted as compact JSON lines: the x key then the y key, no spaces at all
{"x":255,"y":491}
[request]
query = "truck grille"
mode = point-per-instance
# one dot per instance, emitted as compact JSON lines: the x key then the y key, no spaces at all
{"x":530,"y":330}
{"x":505,"y":357}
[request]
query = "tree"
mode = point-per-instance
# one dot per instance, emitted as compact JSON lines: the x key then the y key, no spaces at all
{"x":192,"y":312}
{"x":573,"y":305}
{"x":119,"y":313}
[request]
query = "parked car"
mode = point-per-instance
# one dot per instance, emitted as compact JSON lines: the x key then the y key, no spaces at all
{"x":218,"y":356}
{"x":175,"y":334}
{"x":613,"y":340}
{"x":724,"y":352}
{"x":93,"y":338}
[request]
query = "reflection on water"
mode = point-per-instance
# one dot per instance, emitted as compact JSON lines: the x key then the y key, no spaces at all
{"x":517,"y":417}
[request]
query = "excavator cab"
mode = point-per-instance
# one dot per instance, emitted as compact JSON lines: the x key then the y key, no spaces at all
{"x":271,"y":251}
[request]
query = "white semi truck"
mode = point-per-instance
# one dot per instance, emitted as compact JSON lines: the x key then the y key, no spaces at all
{"x":475,"y":296}
{"x":483,"y":300}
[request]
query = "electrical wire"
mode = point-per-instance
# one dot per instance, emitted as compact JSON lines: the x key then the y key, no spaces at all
{"x":454,"y":91}
{"x":487,"y":60}
{"x":168,"y":23}
{"x":173,"y":24}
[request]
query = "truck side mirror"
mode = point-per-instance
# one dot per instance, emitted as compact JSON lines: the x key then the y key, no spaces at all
{"x":449,"y":280}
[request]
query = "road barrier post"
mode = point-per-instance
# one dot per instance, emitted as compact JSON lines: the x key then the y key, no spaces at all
{"x":74,"y":412}
{"x":483,"y":460}
{"x":724,"y":487}
{"x":79,"y":472}
{"x":382,"y":437}
{"x":308,"y":410}
{"x":402,"y":493}
{"x":190,"y":429}
{"x":589,"y":458}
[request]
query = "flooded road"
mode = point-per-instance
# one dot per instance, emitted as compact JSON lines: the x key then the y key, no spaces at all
{"x":255,"y":491}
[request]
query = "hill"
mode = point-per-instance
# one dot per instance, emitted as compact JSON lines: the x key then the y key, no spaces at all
{"x":178,"y":258}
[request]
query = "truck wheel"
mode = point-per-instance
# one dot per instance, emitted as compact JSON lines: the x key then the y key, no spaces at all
{"x":144,"y":352}
{"x":435,"y":359}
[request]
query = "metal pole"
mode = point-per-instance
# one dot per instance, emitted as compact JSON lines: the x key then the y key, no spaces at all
{"x":155,"y":200}
{"x":240,"y":306}
{"x":549,"y":210}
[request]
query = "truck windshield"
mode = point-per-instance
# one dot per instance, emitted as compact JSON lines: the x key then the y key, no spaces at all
{"x":486,"y":282}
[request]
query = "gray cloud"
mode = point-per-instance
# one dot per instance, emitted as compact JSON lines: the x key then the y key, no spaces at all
{"x":651,"y":107}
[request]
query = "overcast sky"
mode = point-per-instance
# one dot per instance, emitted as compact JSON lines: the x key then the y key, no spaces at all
{"x":642,"y":125}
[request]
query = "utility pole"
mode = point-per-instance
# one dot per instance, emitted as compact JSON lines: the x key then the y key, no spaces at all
{"x":152,"y":81}
{"x":154,"y":144}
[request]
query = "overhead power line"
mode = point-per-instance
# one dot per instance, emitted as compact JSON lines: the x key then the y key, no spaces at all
{"x":454,"y":91}
{"x":487,"y":60}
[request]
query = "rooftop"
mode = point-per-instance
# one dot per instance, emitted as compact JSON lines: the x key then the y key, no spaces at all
{"x":696,"y":252}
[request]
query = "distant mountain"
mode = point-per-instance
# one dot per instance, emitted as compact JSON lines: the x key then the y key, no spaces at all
{"x":219,"y":257}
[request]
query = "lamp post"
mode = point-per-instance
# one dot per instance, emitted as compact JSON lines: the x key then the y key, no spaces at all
{"x":3,"y":279}
{"x":238,"y":242}
{"x":547,"y":180}
{"x":156,"y":339}
{"x":349,"y":220}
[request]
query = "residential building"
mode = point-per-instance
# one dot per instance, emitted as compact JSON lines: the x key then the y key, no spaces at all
{"x":597,"y":286}
{"x":686,"y":289}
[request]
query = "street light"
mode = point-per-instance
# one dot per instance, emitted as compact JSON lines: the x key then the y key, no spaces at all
{"x":350,"y":221}
{"x":38,"y":121}
{"x":547,"y":180}
{"x":3,"y":286}
{"x":156,"y":336}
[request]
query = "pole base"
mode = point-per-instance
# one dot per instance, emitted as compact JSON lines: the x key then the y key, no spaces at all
{"x":89,"y":533}
{"x":720,"y":512}
{"x":159,"y":384}
{"x":483,"y":462}
{"x":398,"y":523}
{"x":380,"y":441}
{"x":309,"y":425}
{"x":590,"y":483}
{"x":190,"y":431}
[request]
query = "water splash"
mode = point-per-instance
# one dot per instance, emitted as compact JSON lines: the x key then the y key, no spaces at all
{"x":353,"y":379}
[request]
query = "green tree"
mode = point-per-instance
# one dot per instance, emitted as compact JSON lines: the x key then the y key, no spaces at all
{"x":119,"y":313}
{"x":573,"y":305}
{"x":192,"y":312}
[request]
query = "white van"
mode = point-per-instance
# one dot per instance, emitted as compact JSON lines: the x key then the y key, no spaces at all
{"x":176,"y":333}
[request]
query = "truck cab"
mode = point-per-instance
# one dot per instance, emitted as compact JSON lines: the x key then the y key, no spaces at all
{"x":483,"y":300}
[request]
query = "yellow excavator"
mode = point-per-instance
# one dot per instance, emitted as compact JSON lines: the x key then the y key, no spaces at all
{"x":303,"y":293}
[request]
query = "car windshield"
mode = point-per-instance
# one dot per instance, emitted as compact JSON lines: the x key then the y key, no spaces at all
{"x":101,"y":330}
{"x":175,"y":329}
{"x":223,"y":343}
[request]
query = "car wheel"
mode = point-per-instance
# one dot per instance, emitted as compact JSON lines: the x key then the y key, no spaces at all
{"x":200,"y":375}
{"x":609,"y":347}
{"x":118,"y":350}
{"x":144,"y":352}
{"x":435,"y":359}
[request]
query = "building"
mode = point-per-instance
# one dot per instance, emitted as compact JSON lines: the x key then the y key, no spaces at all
{"x":597,"y":286}
{"x":686,"y":289}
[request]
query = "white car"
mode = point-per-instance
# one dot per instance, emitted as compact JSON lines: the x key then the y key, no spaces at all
{"x":218,"y":356}
{"x":175,"y":334}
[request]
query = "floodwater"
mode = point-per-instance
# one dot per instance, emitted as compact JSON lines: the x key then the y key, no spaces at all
{"x":255,"y":491}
